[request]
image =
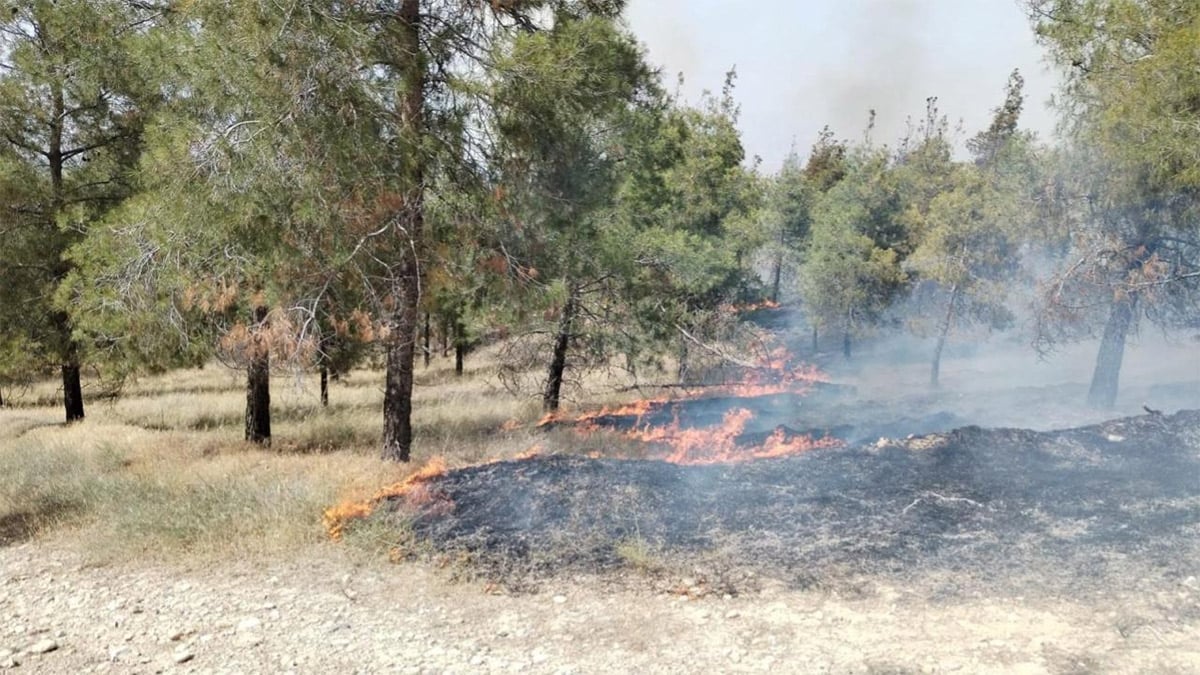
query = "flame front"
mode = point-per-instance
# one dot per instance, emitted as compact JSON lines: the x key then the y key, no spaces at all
{"x":776,"y":373}
{"x":414,"y":489}
{"x":719,"y":445}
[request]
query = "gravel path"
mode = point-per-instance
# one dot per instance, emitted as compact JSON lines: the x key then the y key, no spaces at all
{"x":325,"y":612}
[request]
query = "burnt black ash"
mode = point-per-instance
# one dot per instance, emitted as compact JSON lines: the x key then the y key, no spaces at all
{"x":1069,"y":506}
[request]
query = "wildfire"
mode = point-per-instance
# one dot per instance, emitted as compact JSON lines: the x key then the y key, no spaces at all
{"x":719,"y":445}
{"x":776,"y":373}
{"x":414,"y":488}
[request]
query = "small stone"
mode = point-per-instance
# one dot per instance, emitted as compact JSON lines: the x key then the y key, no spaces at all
{"x":249,"y":640}
{"x":560,"y":599}
{"x":120,"y":653}
{"x":732,"y":614}
{"x":43,"y":646}
{"x":183,"y":655}
{"x":249,"y":623}
{"x":477,"y":660}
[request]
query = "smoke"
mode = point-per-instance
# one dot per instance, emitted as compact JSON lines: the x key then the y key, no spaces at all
{"x":1000,"y":381}
{"x":802,"y":66}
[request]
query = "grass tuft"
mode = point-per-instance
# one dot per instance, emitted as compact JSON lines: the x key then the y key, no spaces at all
{"x":163,"y":471}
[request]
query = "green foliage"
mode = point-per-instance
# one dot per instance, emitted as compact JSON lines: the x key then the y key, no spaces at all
{"x":851,"y":271}
{"x":1131,"y":174}
{"x":76,"y":95}
{"x":967,"y":238}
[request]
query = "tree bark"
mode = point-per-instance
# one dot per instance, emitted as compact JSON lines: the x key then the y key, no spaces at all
{"x":397,"y":396}
{"x":1106,"y":376}
{"x":935,"y":367}
{"x":776,"y":277}
{"x":258,"y":382}
{"x":425,"y":345}
{"x":681,"y":372}
{"x":460,"y":346}
{"x":445,"y":338}
{"x":72,"y":388}
{"x":324,"y":386}
{"x":558,"y":362}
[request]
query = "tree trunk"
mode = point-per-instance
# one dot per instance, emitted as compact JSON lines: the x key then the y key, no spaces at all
{"x":681,"y":372}
{"x":816,"y":342}
{"x":1103,"y":391}
{"x":460,"y":346}
{"x":401,"y":343}
{"x":426,"y":347}
{"x":324,"y":386}
{"x":445,"y":338}
{"x":935,"y":367}
{"x":846,"y":344}
{"x":1,"y":398}
{"x":776,"y":277}
{"x":72,"y":387}
{"x":258,"y":382}
{"x":558,"y":363}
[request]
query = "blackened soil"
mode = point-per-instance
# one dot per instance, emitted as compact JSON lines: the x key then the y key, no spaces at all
{"x":1064,"y":511}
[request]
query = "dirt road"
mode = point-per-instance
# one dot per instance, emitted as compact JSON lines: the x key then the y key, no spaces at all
{"x":329,"y":611}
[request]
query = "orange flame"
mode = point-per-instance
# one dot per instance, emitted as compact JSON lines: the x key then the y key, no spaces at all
{"x":776,"y":373}
{"x":719,"y":445}
{"x":414,"y":489}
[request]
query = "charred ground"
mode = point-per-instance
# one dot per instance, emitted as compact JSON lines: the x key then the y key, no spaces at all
{"x":1004,"y":509}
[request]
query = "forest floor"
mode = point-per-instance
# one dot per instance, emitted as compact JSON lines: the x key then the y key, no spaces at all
{"x":148,"y":538}
{"x":328,"y":610}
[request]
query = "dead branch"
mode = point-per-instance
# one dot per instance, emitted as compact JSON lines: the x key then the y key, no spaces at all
{"x":719,"y":353}
{"x":939,"y":498}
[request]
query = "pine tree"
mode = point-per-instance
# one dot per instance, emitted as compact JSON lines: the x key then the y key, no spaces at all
{"x":75,"y":100}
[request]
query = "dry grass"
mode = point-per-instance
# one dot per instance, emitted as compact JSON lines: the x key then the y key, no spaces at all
{"x":162,"y":470}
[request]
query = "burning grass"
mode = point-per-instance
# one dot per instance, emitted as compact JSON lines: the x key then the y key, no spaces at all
{"x":775,"y":374}
{"x":1069,"y":511}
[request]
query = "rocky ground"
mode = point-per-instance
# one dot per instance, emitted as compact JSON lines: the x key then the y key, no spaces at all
{"x":329,"y":611}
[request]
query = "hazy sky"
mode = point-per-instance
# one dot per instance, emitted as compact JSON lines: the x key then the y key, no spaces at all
{"x":803,"y":64}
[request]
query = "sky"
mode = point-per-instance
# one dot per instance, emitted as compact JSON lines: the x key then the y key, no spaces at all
{"x":804,"y":64}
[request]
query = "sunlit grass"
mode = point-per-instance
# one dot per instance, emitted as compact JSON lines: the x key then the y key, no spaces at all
{"x":163,"y":471}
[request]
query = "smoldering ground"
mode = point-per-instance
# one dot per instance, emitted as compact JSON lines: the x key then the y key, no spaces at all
{"x":999,"y":480}
{"x":1003,"y":510}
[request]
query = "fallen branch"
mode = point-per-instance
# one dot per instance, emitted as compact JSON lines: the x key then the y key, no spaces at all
{"x":719,"y":353}
{"x":940,"y":498}
{"x":677,"y":385}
